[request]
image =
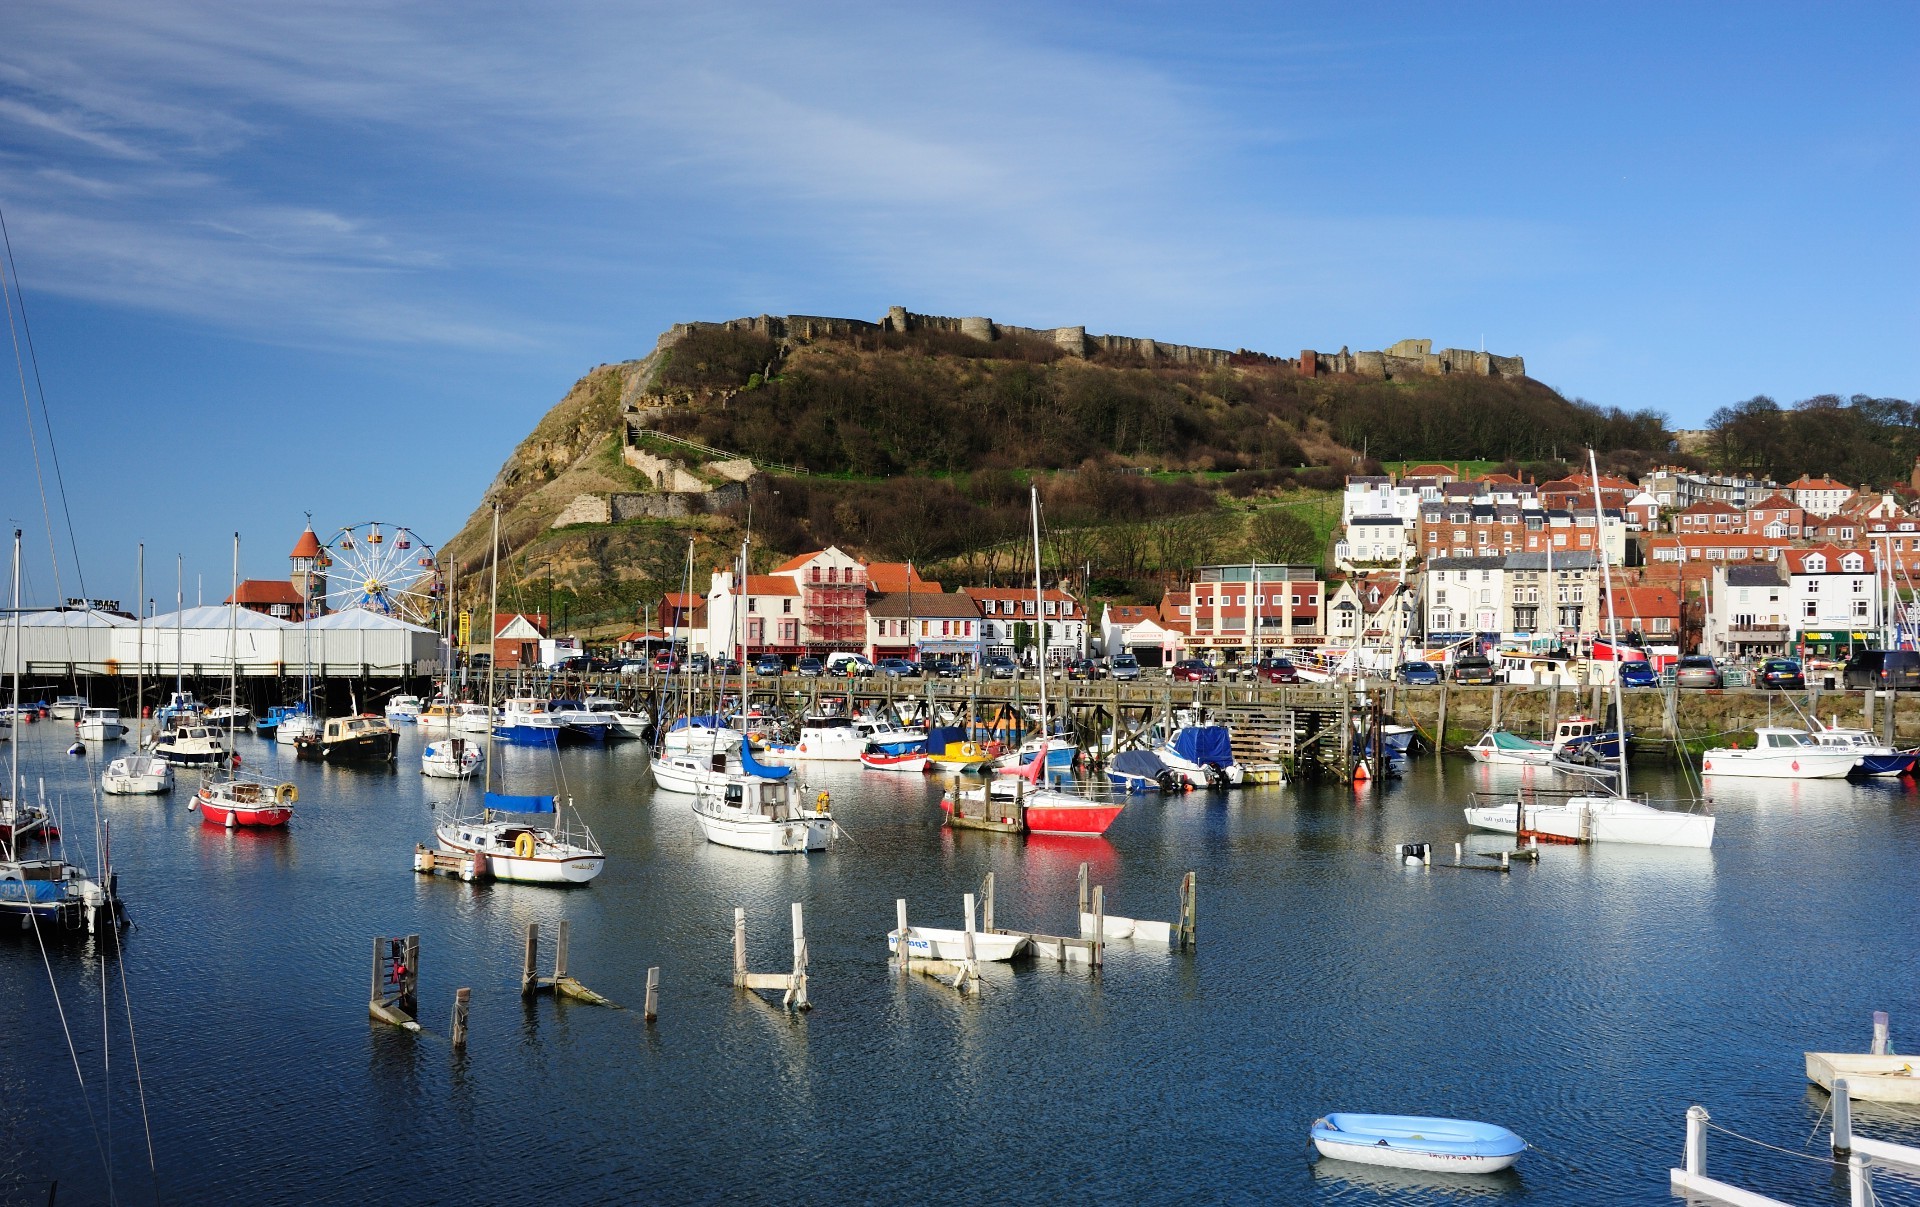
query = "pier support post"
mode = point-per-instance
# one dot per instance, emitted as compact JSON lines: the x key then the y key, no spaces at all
{"x":1696,"y":1157}
{"x":560,"y":953}
{"x":986,"y":903}
{"x":1084,"y":899}
{"x":1099,"y":925}
{"x":1498,"y":699}
{"x":1842,"y":1120}
{"x":529,"y":962}
{"x":394,"y":995}
{"x":900,"y":918}
{"x":1881,"y":1038}
{"x":1440,"y":725}
{"x":796,"y":997}
{"x":461,"y":998}
{"x":1189,"y":914}
{"x":1859,"y":1183}
{"x":739,"y":947}
{"x":652,"y":1010}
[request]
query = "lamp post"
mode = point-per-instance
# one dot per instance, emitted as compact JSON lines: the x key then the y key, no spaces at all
{"x":548,"y":611}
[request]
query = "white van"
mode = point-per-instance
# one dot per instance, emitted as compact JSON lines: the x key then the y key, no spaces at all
{"x":847,"y":664}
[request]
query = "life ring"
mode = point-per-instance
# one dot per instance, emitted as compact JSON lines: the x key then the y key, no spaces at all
{"x":523,"y":845}
{"x":821,"y":802}
{"x":287,"y":794}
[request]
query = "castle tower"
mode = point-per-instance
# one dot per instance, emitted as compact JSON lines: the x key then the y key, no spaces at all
{"x":307,"y":573}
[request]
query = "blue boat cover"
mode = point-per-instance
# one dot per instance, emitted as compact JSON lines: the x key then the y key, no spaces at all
{"x":916,"y":746}
{"x":1205,"y":744}
{"x":1143,"y":763}
{"x":502,"y":803}
{"x":943,"y":736}
{"x":755,"y":769}
{"x":710,"y":721}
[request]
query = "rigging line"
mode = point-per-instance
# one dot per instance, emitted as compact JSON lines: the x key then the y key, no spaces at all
{"x":7,"y":292}
{"x":86,"y":1097}
{"x":26,"y":327}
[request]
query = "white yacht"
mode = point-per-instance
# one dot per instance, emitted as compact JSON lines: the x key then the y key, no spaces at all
{"x":822,"y":739}
{"x":621,"y":720}
{"x":1781,"y":754}
{"x":137,"y":775}
{"x":450,"y":758}
{"x":754,"y":814}
{"x":404,"y":708}
{"x":101,"y":725}
{"x":191,"y":742}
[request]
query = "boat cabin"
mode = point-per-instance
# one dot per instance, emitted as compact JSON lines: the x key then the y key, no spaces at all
{"x":1523,"y":667}
{"x":353,"y":727}
{"x":1771,"y":738}
{"x":768,"y":798}
{"x":101,"y":714}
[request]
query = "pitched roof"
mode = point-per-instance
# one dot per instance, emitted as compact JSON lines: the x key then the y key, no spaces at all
{"x":1711,"y":507}
{"x":924,"y":604}
{"x":1017,"y":594}
{"x":1645,"y":601}
{"x":1797,"y":559}
{"x":307,"y":546}
{"x":796,"y":561}
{"x":1132,"y":613}
{"x":1466,"y":563}
{"x":501,"y":620}
{"x":1803,"y":482}
{"x":892,"y":576}
{"x":768,"y":584}
{"x":265,"y":591}
{"x":1773,"y":502}
{"x":1747,"y":574}
{"x":1576,"y":559}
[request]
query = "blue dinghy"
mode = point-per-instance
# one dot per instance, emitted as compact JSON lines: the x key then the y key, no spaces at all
{"x":1414,"y":1142}
{"x":1140,"y":771}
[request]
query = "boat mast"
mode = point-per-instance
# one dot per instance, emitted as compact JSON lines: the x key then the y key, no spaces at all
{"x":493,"y":612}
{"x":1613,"y":633}
{"x":1040,"y":625}
{"x":13,"y":770}
{"x":179,"y":605}
{"x":233,"y":644}
{"x":140,"y":649}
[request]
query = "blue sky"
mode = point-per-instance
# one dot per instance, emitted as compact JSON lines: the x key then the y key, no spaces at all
{"x":339,"y":258}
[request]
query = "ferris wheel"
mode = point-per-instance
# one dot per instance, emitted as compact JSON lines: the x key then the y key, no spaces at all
{"x":382,"y":568}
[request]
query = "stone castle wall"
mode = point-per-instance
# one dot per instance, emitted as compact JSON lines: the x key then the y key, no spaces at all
{"x":669,"y":505}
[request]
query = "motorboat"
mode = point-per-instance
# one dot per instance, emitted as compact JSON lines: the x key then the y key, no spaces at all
{"x":366,"y":738}
{"x":296,"y":726}
{"x":1416,"y":1142}
{"x":948,"y":751}
{"x":1139,"y":771}
{"x":473,"y":718}
{"x":1782,"y":754}
{"x":518,"y":850}
{"x":267,"y":725}
{"x":753,"y":814}
{"x":1398,"y":739}
{"x":438,"y":717}
{"x":1595,"y":817}
{"x":59,"y":894}
{"x":822,"y":739}
{"x":579,"y":723}
{"x":450,"y":758}
{"x":529,"y":721}
{"x":244,"y":801}
{"x":191,"y":742}
{"x":622,"y":722}
{"x":1499,"y":746}
{"x":1873,"y":760}
{"x":908,"y":756}
{"x":1869,"y":1077}
{"x":137,"y":775}
{"x":229,"y":716}
{"x":1202,"y":756}
{"x":1578,"y":733}
{"x":101,"y":725}
{"x":693,"y":772}
{"x":67,"y":708}
{"x":700,"y":733}
{"x":404,"y":709}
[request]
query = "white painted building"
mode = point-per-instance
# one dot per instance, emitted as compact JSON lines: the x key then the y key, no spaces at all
{"x":1748,"y":612}
{"x":1465,"y":595}
{"x":1376,"y":541}
{"x":1829,"y":587}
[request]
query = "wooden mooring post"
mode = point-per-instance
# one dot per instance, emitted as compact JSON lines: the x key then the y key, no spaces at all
{"x":394,"y":997}
{"x":653,"y":994}
{"x":793,"y":985}
{"x":461,"y":998}
{"x":1189,"y":914}
{"x":561,"y":983}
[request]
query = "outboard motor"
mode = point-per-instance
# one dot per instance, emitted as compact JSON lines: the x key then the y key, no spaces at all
{"x":1216,"y":775}
{"x":1168,"y":781}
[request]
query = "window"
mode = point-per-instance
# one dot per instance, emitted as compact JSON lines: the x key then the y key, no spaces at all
{"x":946,"y":628}
{"x":813,"y":575}
{"x":1816,"y":564}
{"x":1859,"y":608}
{"x":1813,"y":608}
{"x":1662,"y":625}
{"x":753,"y":605}
{"x":786,"y":605}
{"x":969,"y":625}
{"x":1050,"y":607}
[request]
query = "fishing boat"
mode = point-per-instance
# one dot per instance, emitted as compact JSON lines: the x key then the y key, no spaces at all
{"x":749,"y":813}
{"x":101,"y":725}
{"x":228,"y":716}
{"x":1873,"y":760}
{"x":1781,"y":754}
{"x":529,"y":721}
{"x":404,"y":709}
{"x":450,"y":758}
{"x":907,"y":756}
{"x":438,"y":717}
{"x":1499,"y":746}
{"x":1398,"y":739}
{"x":366,"y":738}
{"x":1578,"y":733}
{"x":504,"y":832}
{"x":137,"y":775}
{"x":188,"y":741}
{"x":1417,"y":1142}
{"x":1139,"y":771}
{"x":267,"y":725}
{"x":948,"y":751}
{"x":1202,"y":757}
{"x":66,"y":708}
{"x":240,"y":800}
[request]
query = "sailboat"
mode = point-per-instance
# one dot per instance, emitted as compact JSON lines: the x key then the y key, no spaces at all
{"x":1602,"y":815}
{"x":139,"y":773}
{"x":232,"y":799}
{"x":48,"y":889}
{"x":296,"y":722}
{"x":745,"y":805}
{"x":514,"y":847}
{"x":1020,"y":801}
{"x":185,"y":739}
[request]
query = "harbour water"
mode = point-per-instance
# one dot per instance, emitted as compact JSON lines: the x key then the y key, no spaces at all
{"x":1585,"y":1002}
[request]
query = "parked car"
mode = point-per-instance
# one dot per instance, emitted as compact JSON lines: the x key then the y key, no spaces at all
{"x":852,"y":666}
{"x":999,"y":666}
{"x":1086,"y":668}
{"x":810,"y":667}
{"x":699,"y":664}
{"x":945,"y":668}
{"x":1782,"y":674}
{"x":770,"y":665}
{"x":1193,"y":670}
{"x":1123,"y":667}
{"x":1638,"y":673}
{"x":1276,"y":670}
{"x":1417,"y":674}
{"x":725,"y":666}
{"x":1474,"y":668}
{"x":1697,"y":670}
{"x":899,"y":668}
{"x":1898,"y":670}
{"x":666,"y":660}
{"x":632,"y":666}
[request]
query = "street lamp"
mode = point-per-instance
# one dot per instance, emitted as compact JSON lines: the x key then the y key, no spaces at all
{"x":548,"y":567}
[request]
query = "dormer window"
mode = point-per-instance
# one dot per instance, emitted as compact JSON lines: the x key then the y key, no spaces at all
{"x":1816,"y":564}
{"x":1852,"y":563}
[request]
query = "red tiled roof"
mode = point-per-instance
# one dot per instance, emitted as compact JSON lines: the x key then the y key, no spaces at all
{"x":1806,"y":483}
{"x":769,"y":584}
{"x":796,"y":561}
{"x":1711,"y":507}
{"x":265,"y":591}
{"x":684,"y":599}
{"x":307,"y":546}
{"x":1133,"y":613}
{"x":887,"y":577}
{"x":1797,"y":559}
{"x":1774,"y":502}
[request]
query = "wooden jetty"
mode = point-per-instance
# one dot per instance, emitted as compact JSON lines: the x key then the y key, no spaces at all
{"x":560,"y":984}
{"x":461,"y":865}
{"x":394,"y":998}
{"x":792,"y":985}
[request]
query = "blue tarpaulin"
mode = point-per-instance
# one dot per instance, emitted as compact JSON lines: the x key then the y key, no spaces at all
{"x":1205,"y":744}
{"x":710,"y":721}
{"x":755,"y":769}
{"x":1143,"y":763}
{"x":500,"y":802}
{"x":941,"y":737}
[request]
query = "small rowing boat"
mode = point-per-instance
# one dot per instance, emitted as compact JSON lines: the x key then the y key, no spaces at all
{"x":1414,"y":1142}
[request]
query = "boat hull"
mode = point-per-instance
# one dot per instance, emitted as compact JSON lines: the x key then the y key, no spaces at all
{"x":749,"y":832}
{"x":912,"y":763}
{"x":1869,"y":1078}
{"x":363,"y":748}
{"x":102,"y":731}
{"x":560,"y":867}
{"x":1088,"y":820}
{"x":933,"y":943}
{"x":1411,"y":1142}
{"x":216,"y":811}
{"x":1788,"y":765}
{"x":1598,"y":819}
